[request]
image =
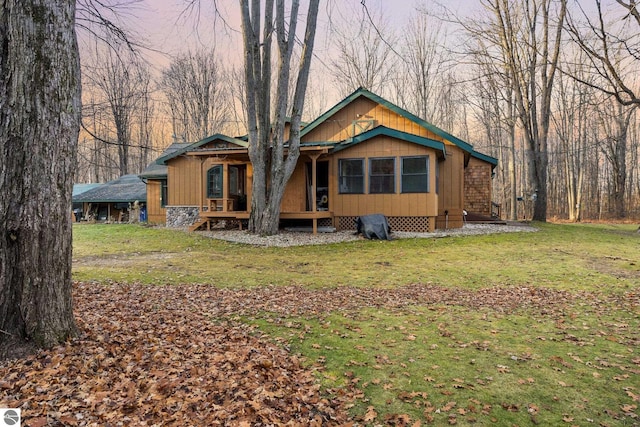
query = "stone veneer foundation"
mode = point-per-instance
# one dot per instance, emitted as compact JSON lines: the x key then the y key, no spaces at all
{"x":182,"y":216}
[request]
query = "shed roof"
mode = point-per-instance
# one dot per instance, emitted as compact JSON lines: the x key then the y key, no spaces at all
{"x":491,"y":160}
{"x":127,"y":188}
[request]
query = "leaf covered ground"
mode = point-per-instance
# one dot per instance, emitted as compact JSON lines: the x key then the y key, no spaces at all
{"x":186,"y":355}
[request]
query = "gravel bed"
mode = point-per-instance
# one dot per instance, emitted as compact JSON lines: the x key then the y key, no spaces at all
{"x":290,"y":238}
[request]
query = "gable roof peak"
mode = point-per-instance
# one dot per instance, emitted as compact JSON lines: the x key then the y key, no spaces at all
{"x":361,"y":91}
{"x":162,"y":160}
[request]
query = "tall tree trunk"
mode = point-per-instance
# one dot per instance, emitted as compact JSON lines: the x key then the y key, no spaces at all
{"x":272,"y":167}
{"x":39,"y":125}
{"x":615,"y":124}
{"x":531,"y":56}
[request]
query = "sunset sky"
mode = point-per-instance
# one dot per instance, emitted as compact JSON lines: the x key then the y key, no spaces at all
{"x":170,"y":27}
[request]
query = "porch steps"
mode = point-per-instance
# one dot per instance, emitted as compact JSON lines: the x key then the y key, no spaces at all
{"x":198,"y":224}
{"x":483,"y":219}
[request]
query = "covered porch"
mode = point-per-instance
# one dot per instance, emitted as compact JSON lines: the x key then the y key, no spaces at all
{"x":225,"y":190}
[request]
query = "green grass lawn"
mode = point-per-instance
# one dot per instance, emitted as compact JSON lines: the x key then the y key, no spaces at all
{"x":558,"y":256}
{"x":573,"y":363}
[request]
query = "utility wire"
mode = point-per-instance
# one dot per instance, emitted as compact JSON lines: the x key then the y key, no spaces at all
{"x":375,"y":27}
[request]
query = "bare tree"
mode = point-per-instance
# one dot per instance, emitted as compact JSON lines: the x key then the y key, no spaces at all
{"x":425,"y":79}
{"x":143,"y":123}
{"x":40,"y":112}
{"x":238,"y":93}
{"x":573,"y":128}
{"x":120,"y":81}
{"x":40,"y":115}
{"x":492,"y":93}
{"x":614,"y":122}
{"x":96,"y":153}
{"x":607,"y":39}
{"x":364,"y":57}
{"x":530,"y":38}
{"x":195,"y":89}
{"x":272,"y":166}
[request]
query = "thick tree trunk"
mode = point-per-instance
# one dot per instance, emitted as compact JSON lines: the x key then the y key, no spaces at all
{"x":272,"y":167}
{"x":539,"y":183}
{"x":39,"y":125}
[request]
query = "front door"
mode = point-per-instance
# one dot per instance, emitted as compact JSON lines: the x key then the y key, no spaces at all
{"x":237,"y":186}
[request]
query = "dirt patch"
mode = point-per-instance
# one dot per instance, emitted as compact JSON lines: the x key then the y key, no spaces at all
{"x":620,"y":268}
{"x":122,"y":260}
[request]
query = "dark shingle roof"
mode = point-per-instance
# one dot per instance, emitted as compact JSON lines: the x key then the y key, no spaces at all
{"x":238,"y":143}
{"x":155,"y":170}
{"x":81,"y":188}
{"x":127,"y":188}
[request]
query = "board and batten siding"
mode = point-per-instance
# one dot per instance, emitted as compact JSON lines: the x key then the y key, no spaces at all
{"x":451,"y":192}
{"x":156,"y":214}
{"x":396,"y":204}
{"x":183,"y":183}
{"x":187,"y":185}
{"x":350,"y":120}
{"x":295,"y":194}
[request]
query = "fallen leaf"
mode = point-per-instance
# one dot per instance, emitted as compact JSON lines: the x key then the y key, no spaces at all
{"x":370,"y":415}
{"x":633,"y":396}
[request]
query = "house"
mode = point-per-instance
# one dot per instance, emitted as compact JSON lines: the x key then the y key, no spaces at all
{"x":113,"y":200}
{"x":363,"y":156}
{"x":155,"y":177}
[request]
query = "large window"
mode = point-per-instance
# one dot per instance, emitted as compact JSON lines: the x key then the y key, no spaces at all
{"x":214,"y":182}
{"x":164,"y":193}
{"x":415,"y":174}
{"x":351,"y":176}
{"x":382,"y":173}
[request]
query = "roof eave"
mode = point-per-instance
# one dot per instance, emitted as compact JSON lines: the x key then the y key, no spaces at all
{"x":392,"y":133}
{"x":162,"y":160}
{"x":491,"y":160}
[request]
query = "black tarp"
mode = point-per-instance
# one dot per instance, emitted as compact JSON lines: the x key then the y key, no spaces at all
{"x":373,"y":226}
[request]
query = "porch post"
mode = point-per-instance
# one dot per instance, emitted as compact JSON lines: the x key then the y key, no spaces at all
{"x":200,"y":196}
{"x":201,"y":190}
{"x":225,"y":186}
{"x":314,"y":194}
